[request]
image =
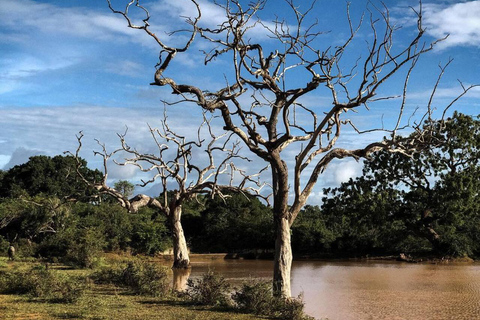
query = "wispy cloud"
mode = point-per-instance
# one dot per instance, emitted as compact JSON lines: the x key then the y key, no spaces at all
{"x":213,"y":15}
{"x":125,"y":68}
{"x":31,"y":17}
{"x":460,"y":21}
{"x":26,"y":66}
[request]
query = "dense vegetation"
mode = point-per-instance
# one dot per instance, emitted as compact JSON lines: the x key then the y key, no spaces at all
{"x":425,"y":204}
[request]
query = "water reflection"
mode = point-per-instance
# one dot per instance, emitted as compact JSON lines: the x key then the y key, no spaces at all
{"x":365,"y":290}
{"x":180,"y":278}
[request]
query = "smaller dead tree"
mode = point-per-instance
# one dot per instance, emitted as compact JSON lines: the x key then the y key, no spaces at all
{"x":174,"y":164}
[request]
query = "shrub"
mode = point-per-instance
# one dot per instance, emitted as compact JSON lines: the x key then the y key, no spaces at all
{"x":4,"y":244}
{"x":291,"y":309}
{"x":211,"y":289}
{"x":84,"y":252}
{"x":140,"y":277}
{"x":255,"y":297}
{"x":41,"y":283}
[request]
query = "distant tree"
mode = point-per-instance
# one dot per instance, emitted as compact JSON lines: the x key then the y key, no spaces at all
{"x":432,"y":193}
{"x":363,"y":216}
{"x":32,"y":217}
{"x":49,"y":176}
{"x":236,"y":223}
{"x":313,"y":233}
{"x":124,"y":187}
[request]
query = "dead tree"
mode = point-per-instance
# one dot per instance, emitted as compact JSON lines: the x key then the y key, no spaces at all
{"x":173,"y":165}
{"x":262,"y":105}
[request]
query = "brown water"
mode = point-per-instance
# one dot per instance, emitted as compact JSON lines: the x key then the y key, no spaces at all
{"x":369,"y":290}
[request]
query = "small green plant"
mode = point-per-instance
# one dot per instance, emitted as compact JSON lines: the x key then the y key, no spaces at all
{"x":141,"y":277}
{"x":212,"y":289}
{"x":39,"y":282}
{"x":256,"y":297}
{"x":291,"y":309}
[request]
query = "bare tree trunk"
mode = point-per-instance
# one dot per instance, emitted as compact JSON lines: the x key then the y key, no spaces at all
{"x":181,"y":259}
{"x":283,"y":259}
{"x":283,"y":249}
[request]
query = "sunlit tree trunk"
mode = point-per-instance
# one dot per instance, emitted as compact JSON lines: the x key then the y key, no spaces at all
{"x":181,"y":259}
{"x":283,"y":248}
{"x":283,"y":259}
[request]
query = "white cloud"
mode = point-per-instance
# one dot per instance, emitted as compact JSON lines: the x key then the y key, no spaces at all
{"x":446,"y":93}
{"x":460,"y":20}
{"x":341,"y":171}
{"x":15,"y":70}
{"x":26,"y":16}
{"x":125,"y":68}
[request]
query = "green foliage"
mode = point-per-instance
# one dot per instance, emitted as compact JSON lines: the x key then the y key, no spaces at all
{"x":55,"y":177}
{"x":401,"y":202}
{"x":124,"y":187}
{"x":32,"y":217}
{"x":212,"y":290}
{"x":310,"y":232}
{"x":140,"y":277}
{"x":92,"y":229}
{"x":85,"y":251}
{"x":291,"y":309}
{"x":150,"y":233}
{"x":4,"y":244}
{"x":257,"y":297}
{"x":38,"y":282}
{"x":239,"y":223}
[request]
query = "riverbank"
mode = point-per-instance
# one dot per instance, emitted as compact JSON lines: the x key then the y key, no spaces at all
{"x":100,"y":301}
{"x":262,"y":255}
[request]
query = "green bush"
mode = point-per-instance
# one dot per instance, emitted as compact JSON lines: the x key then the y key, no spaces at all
{"x":4,"y":244}
{"x":25,"y":248}
{"x":256,"y":297}
{"x":291,"y":309}
{"x":86,"y":250}
{"x":140,"y":277}
{"x":42,"y":283}
{"x":211,"y":290}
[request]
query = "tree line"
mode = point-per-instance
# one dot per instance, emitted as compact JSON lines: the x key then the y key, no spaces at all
{"x":426,"y":204}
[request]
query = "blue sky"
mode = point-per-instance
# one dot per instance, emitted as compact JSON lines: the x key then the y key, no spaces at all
{"x":73,"y":65}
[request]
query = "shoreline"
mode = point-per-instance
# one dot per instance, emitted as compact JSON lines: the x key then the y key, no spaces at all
{"x":269,"y":256}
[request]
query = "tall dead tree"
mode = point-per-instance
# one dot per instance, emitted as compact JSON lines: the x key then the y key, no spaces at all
{"x":173,"y":165}
{"x":263,"y":103}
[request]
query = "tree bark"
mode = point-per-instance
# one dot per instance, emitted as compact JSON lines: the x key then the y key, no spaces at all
{"x":181,"y":259}
{"x":283,"y":259}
